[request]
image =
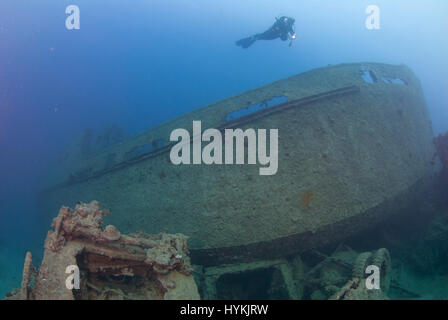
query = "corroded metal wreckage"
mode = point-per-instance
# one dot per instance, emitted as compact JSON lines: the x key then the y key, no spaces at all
{"x":355,"y":147}
{"x":112,"y":265}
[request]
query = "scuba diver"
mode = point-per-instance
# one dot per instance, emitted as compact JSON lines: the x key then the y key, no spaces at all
{"x":283,"y":28}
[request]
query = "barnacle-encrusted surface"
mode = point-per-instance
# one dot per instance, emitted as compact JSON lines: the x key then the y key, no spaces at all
{"x":351,"y":154}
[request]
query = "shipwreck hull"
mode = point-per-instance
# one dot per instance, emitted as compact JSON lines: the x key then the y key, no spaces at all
{"x":355,"y":148}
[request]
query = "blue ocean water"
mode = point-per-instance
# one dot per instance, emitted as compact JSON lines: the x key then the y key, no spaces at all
{"x":141,"y":63}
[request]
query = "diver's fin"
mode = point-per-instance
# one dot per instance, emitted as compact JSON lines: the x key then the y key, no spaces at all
{"x":246,"y":42}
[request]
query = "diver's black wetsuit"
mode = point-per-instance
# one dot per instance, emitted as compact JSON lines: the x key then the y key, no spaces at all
{"x":282,"y":28}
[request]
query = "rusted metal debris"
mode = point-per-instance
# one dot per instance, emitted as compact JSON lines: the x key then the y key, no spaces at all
{"x":112,"y":265}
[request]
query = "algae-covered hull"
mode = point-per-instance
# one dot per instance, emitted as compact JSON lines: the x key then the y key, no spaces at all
{"x":355,"y":145}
